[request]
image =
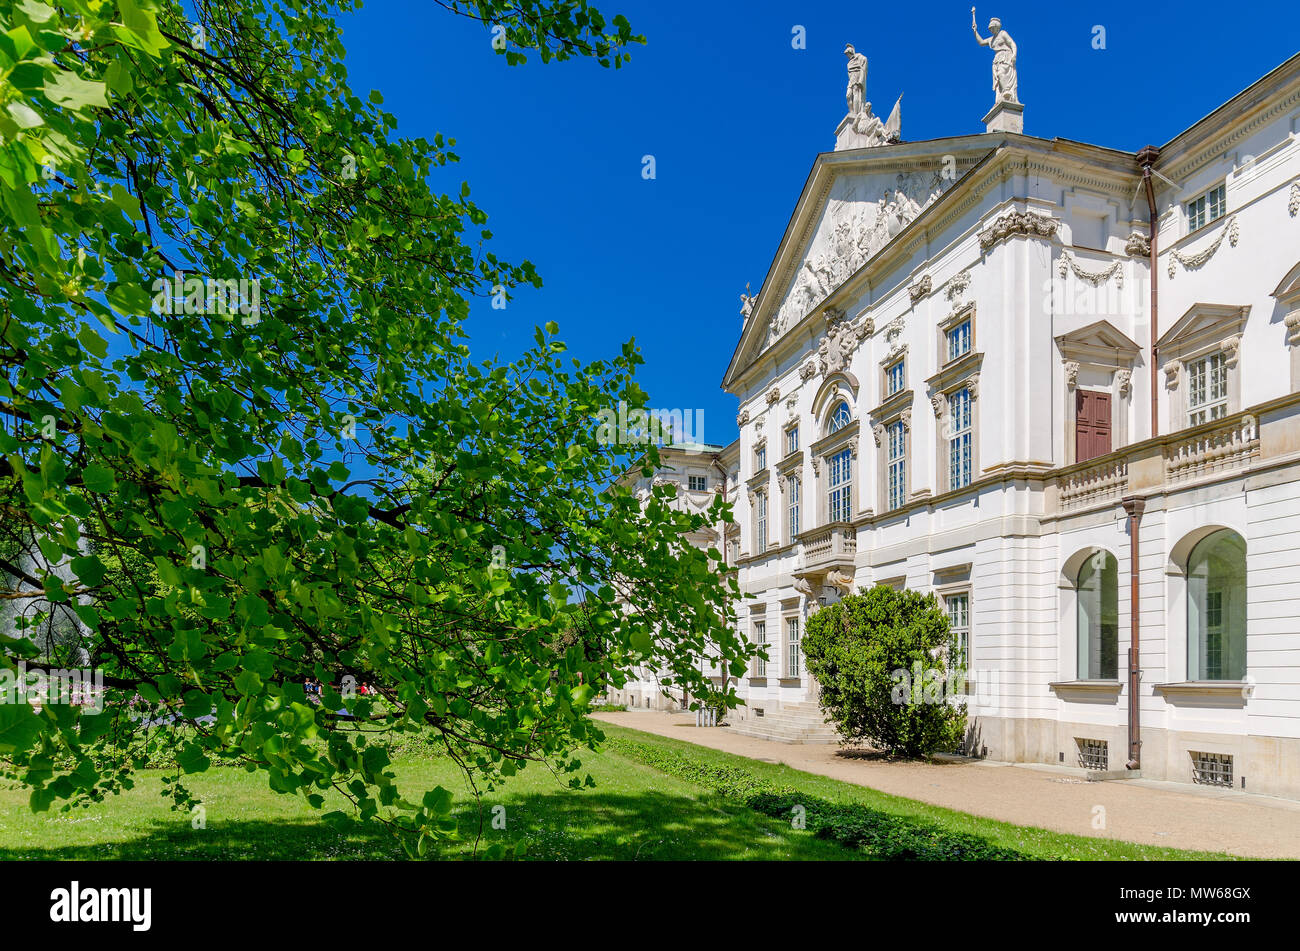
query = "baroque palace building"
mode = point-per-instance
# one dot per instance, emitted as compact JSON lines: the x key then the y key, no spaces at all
{"x":1057,"y":385}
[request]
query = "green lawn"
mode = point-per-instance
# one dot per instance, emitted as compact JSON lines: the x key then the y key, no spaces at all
{"x":634,"y":812}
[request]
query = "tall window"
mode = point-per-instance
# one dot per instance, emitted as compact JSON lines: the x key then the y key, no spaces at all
{"x":897,"y":463}
{"x":839,"y":419}
{"x":1206,"y":208}
{"x":894,"y":377}
{"x":792,"y":440}
{"x":1097,"y":589}
{"x":1216,"y":608}
{"x":792,"y":646}
{"x":792,"y":500}
{"x":760,"y":638}
{"x":959,"y":340}
{"x":1207,"y":389}
{"x":959,"y":439}
{"x":840,"y":487}
{"x":760,"y":523}
{"x":958,"y":606}
{"x":760,"y":458}
{"x":698,"y":483}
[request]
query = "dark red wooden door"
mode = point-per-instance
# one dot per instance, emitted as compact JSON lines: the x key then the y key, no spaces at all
{"x":1091,"y":425}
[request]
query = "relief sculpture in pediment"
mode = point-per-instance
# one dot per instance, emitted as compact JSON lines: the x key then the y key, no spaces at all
{"x":853,"y":230}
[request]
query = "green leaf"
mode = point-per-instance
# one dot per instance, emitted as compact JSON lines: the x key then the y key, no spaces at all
{"x":72,"y":92}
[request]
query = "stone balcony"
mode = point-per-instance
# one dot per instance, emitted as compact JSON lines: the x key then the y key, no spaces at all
{"x":1205,"y":453}
{"x":827,"y":548}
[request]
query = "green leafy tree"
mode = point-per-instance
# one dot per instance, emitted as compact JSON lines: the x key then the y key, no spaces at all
{"x":241,"y":420}
{"x":881,"y":660}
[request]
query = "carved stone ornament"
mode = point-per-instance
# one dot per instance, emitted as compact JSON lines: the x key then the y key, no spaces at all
{"x":1013,"y":223}
{"x":973,"y":385}
{"x":1071,"y":374}
{"x":780,"y":480}
{"x":906,"y":419}
{"x":753,"y":496}
{"x":1125,"y":380}
{"x":836,"y":348}
{"x":1232,"y":350}
{"x":1171,"y":375}
{"x":743,"y":418}
{"x":1294,"y":205}
{"x":865,"y":328}
{"x":853,"y":446}
{"x":773,"y":395}
{"x":817,"y":465}
{"x":957,"y":286}
{"x":1292,"y":322}
{"x":1138,"y":245}
{"x":843,"y":580}
{"x":920,"y":288}
{"x":803,"y":586}
{"x":937,"y":403}
{"x":878,"y":433}
{"x":808,"y":370}
{"x":893,"y":336}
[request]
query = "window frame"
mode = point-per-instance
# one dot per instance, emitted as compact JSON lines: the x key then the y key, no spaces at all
{"x":895,"y":464}
{"x":1230,"y":641}
{"x":961,"y":439}
{"x":792,"y":506}
{"x":1201,"y":210}
{"x":1213,"y":371}
{"x":1107,"y":606}
{"x":834,"y":421}
{"x":839,"y":494}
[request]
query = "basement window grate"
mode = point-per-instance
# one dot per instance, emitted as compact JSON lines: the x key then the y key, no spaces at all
{"x":1093,"y":754}
{"x":1212,"y":769}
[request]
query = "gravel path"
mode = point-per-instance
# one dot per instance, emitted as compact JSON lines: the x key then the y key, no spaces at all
{"x":1176,"y":815}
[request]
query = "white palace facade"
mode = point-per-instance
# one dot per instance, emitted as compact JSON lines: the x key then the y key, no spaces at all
{"x":975,"y":368}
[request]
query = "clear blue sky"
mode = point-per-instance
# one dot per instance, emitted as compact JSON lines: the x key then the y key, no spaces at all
{"x":734,"y":117}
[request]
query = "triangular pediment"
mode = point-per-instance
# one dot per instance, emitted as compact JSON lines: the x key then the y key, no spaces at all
{"x":1100,"y":343}
{"x":853,"y":206}
{"x":1202,"y":324}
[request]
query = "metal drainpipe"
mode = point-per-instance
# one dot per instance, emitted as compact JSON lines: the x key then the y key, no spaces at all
{"x":1146,"y":158}
{"x":1134,"y":507}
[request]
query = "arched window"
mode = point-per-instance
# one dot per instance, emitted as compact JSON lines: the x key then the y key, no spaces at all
{"x":1216,"y":608}
{"x":840,"y":417}
{"x":1097,"y":588}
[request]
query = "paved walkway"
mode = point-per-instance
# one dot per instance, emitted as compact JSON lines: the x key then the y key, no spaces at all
{"x":1176,"y":815}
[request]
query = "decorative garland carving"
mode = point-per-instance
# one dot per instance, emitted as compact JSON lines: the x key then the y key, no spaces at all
{"x":1015,"y":223}
{"x":1192,"y":261}
{"x":1095,"y":278}
{"x":1294,"y":205}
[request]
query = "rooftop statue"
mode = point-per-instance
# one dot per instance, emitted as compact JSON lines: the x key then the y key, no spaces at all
{"x":1004,"y":58}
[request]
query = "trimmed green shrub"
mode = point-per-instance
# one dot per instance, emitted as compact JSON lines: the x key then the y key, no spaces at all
{"x":881,"y":660}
